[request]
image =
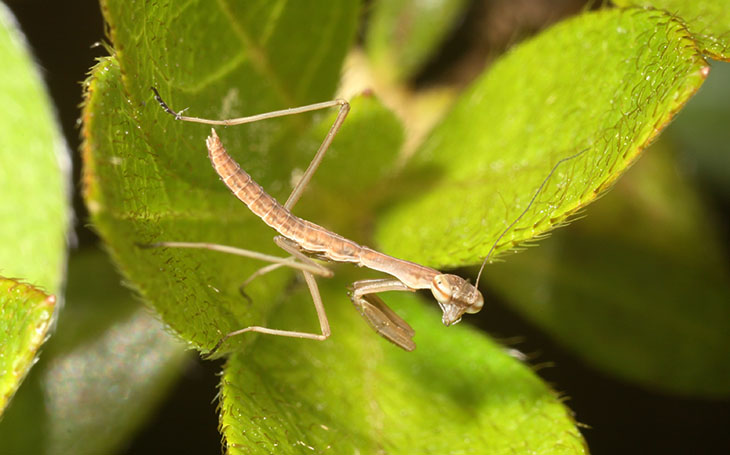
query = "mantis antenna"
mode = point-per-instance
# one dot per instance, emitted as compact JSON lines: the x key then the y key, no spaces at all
{"x":524,"y":212}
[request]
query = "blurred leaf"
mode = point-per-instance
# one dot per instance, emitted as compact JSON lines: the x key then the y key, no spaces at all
{"x":25,"y":316}
{"x":103,"y":373}
{"x":403,"y":34}
{"x":33,"y":208}
{"x":147,"y":176}
{"x":34,"y":171}
{"x":639,"y":288}
{"x":458,"y":392}
{"x":702,"y":135}
{"x":605,"y":82}
{"x":708,"y":21}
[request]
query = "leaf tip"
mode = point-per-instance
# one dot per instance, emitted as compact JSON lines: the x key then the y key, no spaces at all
{"x":704,"y":71}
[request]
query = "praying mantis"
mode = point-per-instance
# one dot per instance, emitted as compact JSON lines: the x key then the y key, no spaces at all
{"x":307,"y":242}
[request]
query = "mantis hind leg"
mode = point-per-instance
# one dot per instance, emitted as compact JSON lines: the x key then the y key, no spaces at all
{"x":321,"y":315}
{"x":307,"y":266}
{"x":291,"y":247}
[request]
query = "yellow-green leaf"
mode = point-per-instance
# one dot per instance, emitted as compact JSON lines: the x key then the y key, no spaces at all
{"x":458,"y":392}
{"x":34,"y":170}
{"x":639,"y":288}
{"x":147,"y":176}
{"x":707,"y":20}
{"x":33,"y":208}
{"x":605,"y":82}
{"x":25,"y":317}
{"x":102,"y":374}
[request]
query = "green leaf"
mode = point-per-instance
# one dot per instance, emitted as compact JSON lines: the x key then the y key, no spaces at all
{"x":33,"y":208}
{"x":643,"y":303}
{"x":147,"y":176}
{"x":458,"y":392}
{"x":605,"y":82}
{"x":147,"y":179}
{"x":102,"y":374}
{"x":34,"y":172}
{"x":707,"y":20}
{"x":348,"y":183}
{"x":25,"y":317}
{"x":403,"y":34}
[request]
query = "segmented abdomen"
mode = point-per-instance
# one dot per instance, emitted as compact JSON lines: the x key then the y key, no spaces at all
{"x":311,"y":237}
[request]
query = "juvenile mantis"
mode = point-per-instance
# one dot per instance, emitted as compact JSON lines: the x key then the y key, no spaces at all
{"x":304,"y":241}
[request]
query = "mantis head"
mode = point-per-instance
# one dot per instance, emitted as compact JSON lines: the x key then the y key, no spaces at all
{"x":455,"y":296}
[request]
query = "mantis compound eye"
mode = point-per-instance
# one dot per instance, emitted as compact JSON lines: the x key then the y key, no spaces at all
{"x":455,"y":296}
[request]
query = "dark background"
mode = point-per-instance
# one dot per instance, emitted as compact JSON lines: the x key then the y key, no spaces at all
{"x":620,"y":418}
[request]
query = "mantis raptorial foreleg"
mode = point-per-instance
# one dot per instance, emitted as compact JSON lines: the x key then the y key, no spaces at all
{"x":378,"y":315}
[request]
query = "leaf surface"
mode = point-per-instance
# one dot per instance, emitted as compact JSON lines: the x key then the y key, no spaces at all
{"x":642,"y":302}
{"x":102,"y":374}
{"x":25,"y":317}
{"x":34,"y":171}
{"x":708,"y":21}
{"x":458,"y":392}
{"x":147,"y":179}
{"x":147,"y":176}
{"x":33,"y":209}
{"x":604,"y":83}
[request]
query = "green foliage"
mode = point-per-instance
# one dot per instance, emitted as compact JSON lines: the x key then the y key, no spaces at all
{"x":33,"y":209}
{"x":147,"y":180}
{"x":617,"y":290}
{"x":148,"y":177}
{"x":33,"y":175}
{"x":403,"y":34}
{"x":707,"y":20}
{"x":25,"y":316}
{"x":458,"y":392}
{"x":610,"y":291}
{"x":603,"y":83}
{"x":496,"y":147}
{"x":103,"y":372}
